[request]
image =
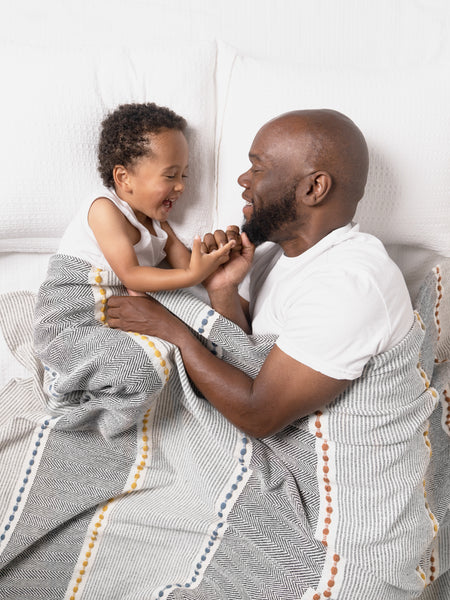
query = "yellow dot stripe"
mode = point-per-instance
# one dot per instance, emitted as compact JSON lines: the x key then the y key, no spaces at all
{"x":98,"y":279}
{"x":421,"y":574}
{"x":156,"y":352}
{"x":95,"y":531}
{"x":430,"y":513}
{"x":102,"y":292}
{"x":419,"y":318}
{"x":427,"y":505}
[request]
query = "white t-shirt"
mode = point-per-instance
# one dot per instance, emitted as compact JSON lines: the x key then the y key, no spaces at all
{"x":79,"y":240}
{"x":334,"y":306}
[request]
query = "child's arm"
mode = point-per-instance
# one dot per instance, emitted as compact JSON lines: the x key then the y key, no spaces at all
{"x":178,"y":256}
{"x":114,"y":236}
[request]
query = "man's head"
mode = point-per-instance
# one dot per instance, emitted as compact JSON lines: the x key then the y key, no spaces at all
{"x":309,"y":169}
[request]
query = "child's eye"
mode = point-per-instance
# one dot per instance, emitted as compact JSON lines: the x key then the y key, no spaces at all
{"x":170,"y":176}
{"x":184,"y":176}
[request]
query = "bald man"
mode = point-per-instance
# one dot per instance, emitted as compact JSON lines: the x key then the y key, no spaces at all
{"x":329,"y":292}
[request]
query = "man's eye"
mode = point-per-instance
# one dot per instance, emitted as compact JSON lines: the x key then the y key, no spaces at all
{"x":185,"y":176}
{"x":170,"y":176}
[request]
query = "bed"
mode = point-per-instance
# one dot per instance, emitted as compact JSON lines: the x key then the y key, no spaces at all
{"x":143,"y":490}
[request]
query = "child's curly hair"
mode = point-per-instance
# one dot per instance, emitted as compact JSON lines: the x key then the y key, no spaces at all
{"x":124,"y":135}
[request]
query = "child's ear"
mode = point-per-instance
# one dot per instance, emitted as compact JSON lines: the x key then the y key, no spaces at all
{"x":122,"y":178}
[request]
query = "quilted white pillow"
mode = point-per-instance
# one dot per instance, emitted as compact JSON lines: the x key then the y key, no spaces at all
{"x":52,"y":106}
{"x":404,"y":114}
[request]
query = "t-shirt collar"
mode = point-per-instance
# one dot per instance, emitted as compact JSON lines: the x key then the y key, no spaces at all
{"x":333,"y":238}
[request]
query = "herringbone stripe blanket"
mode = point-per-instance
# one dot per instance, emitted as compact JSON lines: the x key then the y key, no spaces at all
{"x":119,"y":481}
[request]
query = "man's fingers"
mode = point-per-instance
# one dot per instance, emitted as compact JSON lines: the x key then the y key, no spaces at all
{"x":232,"y":233}
{"x":209,"y":243}
{"x":248,"y":249}
{"x":246,"y":243}
{"x":220,"y":237}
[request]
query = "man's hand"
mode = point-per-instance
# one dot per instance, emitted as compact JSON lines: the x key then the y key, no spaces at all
{"x":144,"y":315}
{"x":230,"y":274}
{"x":204,"y":263}
{"x":222,"y":285}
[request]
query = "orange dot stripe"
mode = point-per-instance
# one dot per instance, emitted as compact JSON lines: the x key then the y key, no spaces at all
{"x":326,"y":482}
{"x":331,"y":582}
{"x":446,"y":410}
{"x":439,"y":298}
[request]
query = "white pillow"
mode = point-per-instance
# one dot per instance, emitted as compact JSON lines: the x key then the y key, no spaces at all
{"x":52,"y":104}
{"x":403,"y":113}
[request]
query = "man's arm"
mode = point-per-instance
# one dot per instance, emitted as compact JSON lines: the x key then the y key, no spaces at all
{"x":283,"y":391}
{"x":222,"y":286}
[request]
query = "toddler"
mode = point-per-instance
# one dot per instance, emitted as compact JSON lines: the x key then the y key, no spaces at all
{"x":143,"y":162}
{"x":96,"y":376}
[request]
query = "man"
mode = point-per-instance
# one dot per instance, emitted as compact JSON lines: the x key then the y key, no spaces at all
{"x":329,"y":292}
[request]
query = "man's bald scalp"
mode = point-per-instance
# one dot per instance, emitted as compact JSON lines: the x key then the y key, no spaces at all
{"x":335,"y":145}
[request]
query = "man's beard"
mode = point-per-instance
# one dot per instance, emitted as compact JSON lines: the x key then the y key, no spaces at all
{"x":266,"y":220}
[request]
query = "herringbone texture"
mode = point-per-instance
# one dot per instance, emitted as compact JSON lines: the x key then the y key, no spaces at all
{"x":128,"y":486}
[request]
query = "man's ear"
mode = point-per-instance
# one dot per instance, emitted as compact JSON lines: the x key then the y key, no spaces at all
{"x":318,"y":185}
{"x":122,"y":178}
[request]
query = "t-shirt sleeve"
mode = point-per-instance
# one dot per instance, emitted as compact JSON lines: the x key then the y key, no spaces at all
{"x":336,"y":324}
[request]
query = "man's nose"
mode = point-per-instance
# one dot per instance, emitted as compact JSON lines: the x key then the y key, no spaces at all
{"x":243,"y":180}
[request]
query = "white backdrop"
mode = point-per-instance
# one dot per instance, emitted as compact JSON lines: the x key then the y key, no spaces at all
{"x":329,"y":33}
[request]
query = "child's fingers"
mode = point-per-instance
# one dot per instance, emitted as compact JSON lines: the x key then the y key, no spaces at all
{"x":134,"y":293}
{"x":197,"y":245}
{"x":226,"y":248}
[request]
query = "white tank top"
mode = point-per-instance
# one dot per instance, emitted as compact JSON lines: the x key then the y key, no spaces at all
{"x":79,"y":240}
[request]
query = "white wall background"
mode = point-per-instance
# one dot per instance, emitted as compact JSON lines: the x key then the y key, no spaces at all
{"x":339,"y":33}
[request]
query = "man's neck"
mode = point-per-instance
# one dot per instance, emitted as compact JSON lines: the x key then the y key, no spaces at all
{"x":305,"y":240}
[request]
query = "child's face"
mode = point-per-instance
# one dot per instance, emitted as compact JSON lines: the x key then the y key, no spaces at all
{"x":155,"y":182}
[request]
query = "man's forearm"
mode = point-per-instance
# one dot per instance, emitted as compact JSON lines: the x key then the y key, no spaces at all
{"x":283,"y":391}
{"x":227,"y":388}
{"x":227,"y":302}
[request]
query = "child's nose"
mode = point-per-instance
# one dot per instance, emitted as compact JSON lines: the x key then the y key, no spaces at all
{"x":179,"y":185}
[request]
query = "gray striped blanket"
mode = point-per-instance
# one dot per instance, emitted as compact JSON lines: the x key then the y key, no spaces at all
{"x":119,"y":481}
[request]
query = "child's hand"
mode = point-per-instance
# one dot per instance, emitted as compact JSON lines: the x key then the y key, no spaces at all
{"x":203,"y":264}
{"x":134,"y":293}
